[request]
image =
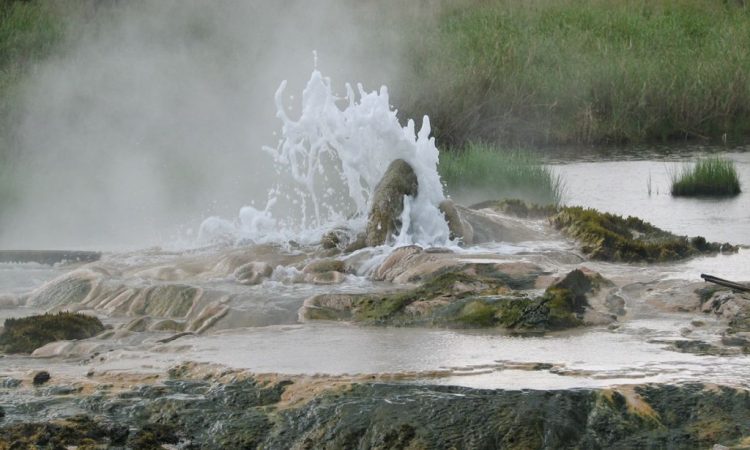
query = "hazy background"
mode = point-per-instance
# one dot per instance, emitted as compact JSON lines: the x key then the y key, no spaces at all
{"x":153,"y":117}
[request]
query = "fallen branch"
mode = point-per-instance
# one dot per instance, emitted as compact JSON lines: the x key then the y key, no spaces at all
{"x":727,"y":283}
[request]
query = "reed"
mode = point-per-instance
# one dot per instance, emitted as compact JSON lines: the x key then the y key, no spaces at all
{"x":480,"y":171}
{"x":545,"y":72}
{"x":713,"y":176}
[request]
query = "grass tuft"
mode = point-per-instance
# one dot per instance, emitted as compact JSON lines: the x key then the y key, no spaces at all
{"x":712,"y":176}
{"x":483,"y":172}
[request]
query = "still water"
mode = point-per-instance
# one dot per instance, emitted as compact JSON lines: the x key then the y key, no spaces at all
{"x":641,"y":188}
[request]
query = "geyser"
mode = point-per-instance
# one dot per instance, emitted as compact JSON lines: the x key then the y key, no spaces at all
{"x":328,"y":162}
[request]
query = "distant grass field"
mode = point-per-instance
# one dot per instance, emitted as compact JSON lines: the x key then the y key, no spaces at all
{"x":542,"y":72}
{"x":480,"y":172}
{"x":711,"y":176}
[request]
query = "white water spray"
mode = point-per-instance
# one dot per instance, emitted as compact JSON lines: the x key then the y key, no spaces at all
{"x":329,"y":161}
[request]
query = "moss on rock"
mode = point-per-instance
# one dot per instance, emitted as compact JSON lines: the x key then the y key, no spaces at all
{"x":26,"y":334}
{"x":610,"y":237}
{"x":458,"y":299}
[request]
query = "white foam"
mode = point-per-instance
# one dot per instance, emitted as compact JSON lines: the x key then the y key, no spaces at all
{"x":329,"y":161}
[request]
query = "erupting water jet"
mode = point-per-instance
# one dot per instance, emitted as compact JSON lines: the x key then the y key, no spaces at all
{"x":329,"y":162}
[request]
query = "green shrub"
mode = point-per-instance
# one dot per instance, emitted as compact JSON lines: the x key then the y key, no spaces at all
{"x":482,"y":172}
{"x":712,"y":176}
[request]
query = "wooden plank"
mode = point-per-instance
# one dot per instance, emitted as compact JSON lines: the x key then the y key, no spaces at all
{"x":47,"y":256}
{"x":726,"y":283}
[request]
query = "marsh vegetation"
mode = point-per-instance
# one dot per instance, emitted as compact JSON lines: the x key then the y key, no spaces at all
{"x":712,"y":176}
{"x":546,"y":72}
{"x":480,"y":172}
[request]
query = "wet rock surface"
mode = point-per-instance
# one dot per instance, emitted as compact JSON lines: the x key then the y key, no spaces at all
{"x":460,"y":229}
{"x":477,"y":295}
{"x":734,"y":308}
{"x":237,"y":410}
{"x":388,"y":202}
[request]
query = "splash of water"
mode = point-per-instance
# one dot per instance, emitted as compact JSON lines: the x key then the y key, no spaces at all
{"x":328,"y":163}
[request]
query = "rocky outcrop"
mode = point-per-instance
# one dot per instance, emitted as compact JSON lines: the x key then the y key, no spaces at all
{"x":253,"y":273}
{"x":324,"y":271}
{"x":609,"y":237}
{"x":298,"y":412}
{"x":734,"y":308}
{"x":188,"y":307}
{"x":476,"y":295}
{"x":384,"y":219}
{"x":459,"y":229}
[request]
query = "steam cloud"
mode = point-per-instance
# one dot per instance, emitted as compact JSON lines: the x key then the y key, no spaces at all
{"x":153,"y":118}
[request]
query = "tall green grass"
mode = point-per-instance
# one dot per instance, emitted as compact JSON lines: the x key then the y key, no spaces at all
{"x":540,"y":72}
{"x":479,"y":172}
{"x":712,"y":176}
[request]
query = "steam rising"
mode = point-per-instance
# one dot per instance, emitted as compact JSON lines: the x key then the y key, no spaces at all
{"x":155,"y":115}
{"x":330,"y":160}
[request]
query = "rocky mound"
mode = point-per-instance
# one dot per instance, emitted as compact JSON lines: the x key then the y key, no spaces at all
{"x":477,"y":295}
{"x":29,"y":333}
{"x":610,"y":237}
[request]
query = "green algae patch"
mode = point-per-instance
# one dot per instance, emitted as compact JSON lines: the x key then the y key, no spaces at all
{"x":29,"y":333}
{"x":384,"y":309}
{"x":609,"y":237}
{"x":478,"y":313}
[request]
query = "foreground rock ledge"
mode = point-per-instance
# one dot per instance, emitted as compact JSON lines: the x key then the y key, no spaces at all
{"x":228,"y":409}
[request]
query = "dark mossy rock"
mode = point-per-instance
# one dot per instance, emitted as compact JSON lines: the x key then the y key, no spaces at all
{"x":562,"y":306}
{"x":153,"y":435}
{"x":384,"y":219}
{"x":610,"y":237}
{"x":518,"y":208}
{"x":40,"y":378}
{"x":29,"y":333}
